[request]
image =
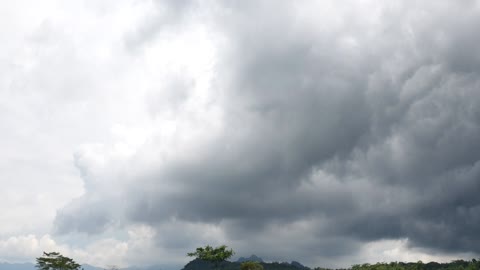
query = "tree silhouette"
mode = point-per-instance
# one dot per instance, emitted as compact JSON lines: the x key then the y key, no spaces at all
{"x":213,"y":255}
{"x":56,"y":261}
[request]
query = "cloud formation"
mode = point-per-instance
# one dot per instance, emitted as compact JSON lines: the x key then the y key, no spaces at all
{"x":309,"y":131}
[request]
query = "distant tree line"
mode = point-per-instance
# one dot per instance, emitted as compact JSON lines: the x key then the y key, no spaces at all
{"x":454,"y":265}
{"x":219,"y":255}
{"x":216,"y":258}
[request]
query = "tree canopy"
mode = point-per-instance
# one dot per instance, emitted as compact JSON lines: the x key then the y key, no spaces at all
{"x":56,"y":261}
{"x":453,"y":265}
{"x":251,"y":266}
{"x":214,"y":255}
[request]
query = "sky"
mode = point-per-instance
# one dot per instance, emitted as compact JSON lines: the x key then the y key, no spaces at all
{"x":329,"y":132}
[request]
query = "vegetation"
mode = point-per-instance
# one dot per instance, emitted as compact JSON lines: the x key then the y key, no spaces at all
{"x":454,"y":265}
{"x":211,"y":258}
{"x":251,"y":266}
{"x":212,"y":255}
{"x":56,"y":261}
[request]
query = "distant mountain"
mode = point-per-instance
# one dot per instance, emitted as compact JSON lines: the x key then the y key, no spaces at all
{"x":31,"y":266}
{"x":152,"y":267}
{"x":284,"y":266}
{"x":17,"y":266}
{"x":198,"y":264}
{"x":252,"y":258}
{"x":298,"y":265}
{"x":90,"y":267}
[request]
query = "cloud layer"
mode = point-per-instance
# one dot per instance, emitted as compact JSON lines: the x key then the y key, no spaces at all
{"x":309,"y":131}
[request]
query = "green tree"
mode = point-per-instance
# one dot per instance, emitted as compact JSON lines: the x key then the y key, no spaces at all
{"x":56,"y":261}
{"x":251,"y":266}
{"x":213,"y":255}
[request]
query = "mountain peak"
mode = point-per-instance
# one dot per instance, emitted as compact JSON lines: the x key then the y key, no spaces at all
{"x":298,"y":265}
{"x":252,"y":258}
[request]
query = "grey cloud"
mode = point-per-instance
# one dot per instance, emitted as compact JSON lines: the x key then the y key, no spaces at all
{"x":174,"y":94}
{"x":165,"y":15}
{"x":382,"y":132}
{"x":83,"y":216}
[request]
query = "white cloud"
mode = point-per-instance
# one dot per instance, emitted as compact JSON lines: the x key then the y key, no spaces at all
{"x":401,"y":251}
{"x":26,"y":247}
{"x":138,"y":248}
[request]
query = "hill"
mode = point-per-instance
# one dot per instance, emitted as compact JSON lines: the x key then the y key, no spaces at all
{"x":198,"y":264}
{"x":252,"y":258}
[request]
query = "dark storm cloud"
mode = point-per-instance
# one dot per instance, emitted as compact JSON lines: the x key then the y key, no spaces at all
{"x":368,"y":129}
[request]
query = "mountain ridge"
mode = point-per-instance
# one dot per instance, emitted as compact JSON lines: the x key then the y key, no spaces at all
{"x":199,"y":264}
{"x":252,"y":258}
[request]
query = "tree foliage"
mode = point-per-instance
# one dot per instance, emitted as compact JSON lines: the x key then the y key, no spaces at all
{"x":454,"y":265}
{"x":251,"y":266}
{"x":214,"y":255}
{"x":56,"y":261}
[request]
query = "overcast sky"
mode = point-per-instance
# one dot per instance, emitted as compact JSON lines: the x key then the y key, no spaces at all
{"x":328,"y":132}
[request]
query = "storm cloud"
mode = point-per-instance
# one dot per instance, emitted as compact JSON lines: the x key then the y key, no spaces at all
{"x":292,"y":130}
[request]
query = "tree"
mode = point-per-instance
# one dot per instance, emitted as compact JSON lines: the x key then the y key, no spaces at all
{"x":56,"y":261}
{"x":251,"y":266}
{"x":213,"y":255}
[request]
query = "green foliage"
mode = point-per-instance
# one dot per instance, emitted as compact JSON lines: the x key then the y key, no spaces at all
{"x":454,"y":265}
{"x":56,"y":261}
{"x":214,"y":255}
{"x":251,"y":266}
